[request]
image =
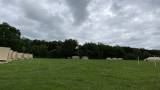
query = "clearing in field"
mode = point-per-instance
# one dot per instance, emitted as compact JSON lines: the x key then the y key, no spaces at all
{"x":52,"y":74}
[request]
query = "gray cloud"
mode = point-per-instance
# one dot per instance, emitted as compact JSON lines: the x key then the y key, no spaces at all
{"x":126,"y":22}
{"x":79,"y":10}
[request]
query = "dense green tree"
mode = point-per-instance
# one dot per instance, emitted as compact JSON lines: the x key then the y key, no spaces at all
{"x":69,"y":48}
{"x":11,"y":37}
{"x":91,"y":50}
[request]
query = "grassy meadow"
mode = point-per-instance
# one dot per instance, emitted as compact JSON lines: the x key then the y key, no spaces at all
{"x":60,"y":74}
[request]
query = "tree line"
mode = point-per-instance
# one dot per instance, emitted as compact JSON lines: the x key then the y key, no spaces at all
{"x":11,"y":37}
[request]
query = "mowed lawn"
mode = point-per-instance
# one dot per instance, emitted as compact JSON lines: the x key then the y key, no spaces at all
{"x":52,"y":74}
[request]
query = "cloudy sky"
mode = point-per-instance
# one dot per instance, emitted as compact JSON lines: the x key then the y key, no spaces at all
{"x":134,"y":23}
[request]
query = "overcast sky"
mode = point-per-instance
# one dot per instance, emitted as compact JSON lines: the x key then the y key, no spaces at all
{"x":134,"y":23}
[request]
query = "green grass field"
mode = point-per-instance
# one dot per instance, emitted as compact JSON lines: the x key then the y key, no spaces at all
{"x":52,"y":74}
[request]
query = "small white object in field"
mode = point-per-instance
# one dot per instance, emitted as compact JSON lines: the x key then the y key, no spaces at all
{"x":30,"y":56}
{"x":85,"y":58}
{"x":69,"y":58}
{"x":108,"y":58}
{"x":75,"y":57}
{"x":152,"y":59}
{"x":114,"y":58}
{"x":119,"y":58}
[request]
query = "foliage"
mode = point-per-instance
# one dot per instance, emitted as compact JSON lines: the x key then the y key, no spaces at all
{"x":11,"y":37}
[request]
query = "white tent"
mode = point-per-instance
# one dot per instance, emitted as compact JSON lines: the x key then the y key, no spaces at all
{"x":85,"y":58}
{"x":108,"y":58}
{"x":30,"y":56}
{"x":14,"y":55}
{"x":26,"y":56}
{"x":119,"y":58}
{"x":10,"y":55}
{"x":75,"y":57}
{"x":20,"y":56}
{"x":4,"y":54}
{"x":152,"y":59}
{"x":7,"y":55}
